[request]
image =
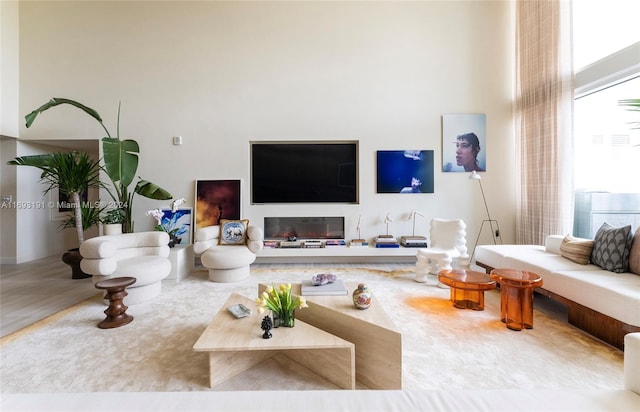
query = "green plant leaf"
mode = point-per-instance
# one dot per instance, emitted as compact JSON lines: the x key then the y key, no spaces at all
{"x":31,"y":117}
{"x":38,"y":161}
{"x":120,"y":159}
{"x":90,"y":217}
{"x":151,"y":190}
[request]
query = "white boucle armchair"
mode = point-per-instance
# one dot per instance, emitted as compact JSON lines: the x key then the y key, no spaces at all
{"x":227,"y":263}
{"x":142,"y":255}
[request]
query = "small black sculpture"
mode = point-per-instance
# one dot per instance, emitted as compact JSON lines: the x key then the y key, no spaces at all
{"x":266,"y":327}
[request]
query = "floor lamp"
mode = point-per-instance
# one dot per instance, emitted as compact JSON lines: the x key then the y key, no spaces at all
{"x":495,"y":233}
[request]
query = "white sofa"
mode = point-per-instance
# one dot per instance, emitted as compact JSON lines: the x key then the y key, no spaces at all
{"x":602,"y":303}
{"x":142,"y":255}
{"x":227,"y":263}
{"x":499,"y":399}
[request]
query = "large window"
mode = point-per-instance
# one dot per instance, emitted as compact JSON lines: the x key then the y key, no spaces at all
{"x":606,"y":140}
{"x":607,"y":147}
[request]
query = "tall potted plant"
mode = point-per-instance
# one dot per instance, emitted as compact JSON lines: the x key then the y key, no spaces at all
{"x":120,"y":162}
{"x":71,"y":173}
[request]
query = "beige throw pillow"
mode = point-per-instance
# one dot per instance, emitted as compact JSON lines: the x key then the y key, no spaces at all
{"x":634,"y":254}
{"x":576,"y":249}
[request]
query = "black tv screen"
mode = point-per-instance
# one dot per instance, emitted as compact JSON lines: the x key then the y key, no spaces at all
{"x":304,"y":172}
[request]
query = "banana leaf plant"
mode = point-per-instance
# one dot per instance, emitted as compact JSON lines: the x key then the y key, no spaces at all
{"x":71,"y":173}
{"x":120,"y":162}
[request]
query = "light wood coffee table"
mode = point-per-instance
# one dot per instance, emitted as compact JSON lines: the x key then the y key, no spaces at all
{"x":235,"y":345}
{"x":377,"y":340}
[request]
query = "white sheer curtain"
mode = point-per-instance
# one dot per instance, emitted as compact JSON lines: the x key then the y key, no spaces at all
{"x":544,"y":106}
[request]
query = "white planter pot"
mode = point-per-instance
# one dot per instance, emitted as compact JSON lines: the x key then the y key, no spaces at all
{"x":112,"y":229}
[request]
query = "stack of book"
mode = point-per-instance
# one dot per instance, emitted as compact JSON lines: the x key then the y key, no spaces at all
{"x":413,"y":241}
{"x":358,"y":243}
{"x":386,"y":241}
{"x":334,"y":242}
{"x":271,"y":244}
{"x":291,"y":244}
{"x":310,"y":244}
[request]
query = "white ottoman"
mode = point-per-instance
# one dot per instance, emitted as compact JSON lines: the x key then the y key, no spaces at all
{"x":228,"y":263}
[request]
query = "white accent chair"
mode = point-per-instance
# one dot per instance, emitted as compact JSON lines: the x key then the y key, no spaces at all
{"x":142,"y":255}
{"x":447,"y":242}
{"x":227,"y":263}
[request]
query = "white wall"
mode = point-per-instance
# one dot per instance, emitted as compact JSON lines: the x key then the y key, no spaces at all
{"x":221,"y":74}
{"x":9,"y":124}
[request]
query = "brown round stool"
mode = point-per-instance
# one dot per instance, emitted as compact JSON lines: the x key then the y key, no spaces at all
{"x":117,"y":311}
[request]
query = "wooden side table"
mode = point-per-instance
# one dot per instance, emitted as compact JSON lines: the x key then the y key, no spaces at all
{"x":117,"y":311}
{"x":467,"y":287}
{"x":516,"y":296}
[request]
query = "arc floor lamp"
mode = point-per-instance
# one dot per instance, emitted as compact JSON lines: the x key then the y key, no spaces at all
{"x":495,"y":233}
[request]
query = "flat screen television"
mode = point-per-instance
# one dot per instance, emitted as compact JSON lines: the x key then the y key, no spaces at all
{"x":405,"y":171}
{"x":304,"y":172}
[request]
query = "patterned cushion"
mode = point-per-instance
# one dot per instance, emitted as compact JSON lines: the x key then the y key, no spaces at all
{"x":634,"y":254}
{"x":233,"y":232}
{"x":611,"y":247}
{"x":576,"y":249}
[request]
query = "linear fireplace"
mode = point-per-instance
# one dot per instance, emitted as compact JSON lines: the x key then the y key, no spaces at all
{"x":278,"y":228}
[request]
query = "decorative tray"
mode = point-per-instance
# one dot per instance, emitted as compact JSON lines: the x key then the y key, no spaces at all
{"x":239,"y":310}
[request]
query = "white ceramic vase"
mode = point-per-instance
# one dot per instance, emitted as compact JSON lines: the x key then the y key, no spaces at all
{"x":112,"y":229}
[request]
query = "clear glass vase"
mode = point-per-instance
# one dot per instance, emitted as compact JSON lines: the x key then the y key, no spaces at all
{"x":284,"y":318}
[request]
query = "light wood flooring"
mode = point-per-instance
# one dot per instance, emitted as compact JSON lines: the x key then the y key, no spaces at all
{"x":34,"y":290}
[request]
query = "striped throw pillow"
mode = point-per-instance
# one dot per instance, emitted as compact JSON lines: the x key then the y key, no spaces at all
{"x":576,"y":249}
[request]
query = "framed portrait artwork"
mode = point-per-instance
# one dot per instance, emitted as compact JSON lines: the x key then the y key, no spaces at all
{"x":215,"y":200}
{"x":464,"y":142}
{"x":404,"y":171}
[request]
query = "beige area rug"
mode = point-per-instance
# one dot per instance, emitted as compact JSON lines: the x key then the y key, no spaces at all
{"x":443,"y":347}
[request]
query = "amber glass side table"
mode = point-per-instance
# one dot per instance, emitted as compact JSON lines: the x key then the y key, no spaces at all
{"x":516,"y":296}
{"x":467,"y":287}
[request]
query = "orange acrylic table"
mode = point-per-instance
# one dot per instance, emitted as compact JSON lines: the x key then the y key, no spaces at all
{"x":516,"y":296}
{"x":467,"y":287}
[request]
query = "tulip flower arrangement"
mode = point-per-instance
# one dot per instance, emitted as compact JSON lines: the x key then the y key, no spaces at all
{"x":282,"y":304}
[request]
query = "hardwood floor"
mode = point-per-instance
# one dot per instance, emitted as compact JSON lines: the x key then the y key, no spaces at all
{"x":34,"y":290}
